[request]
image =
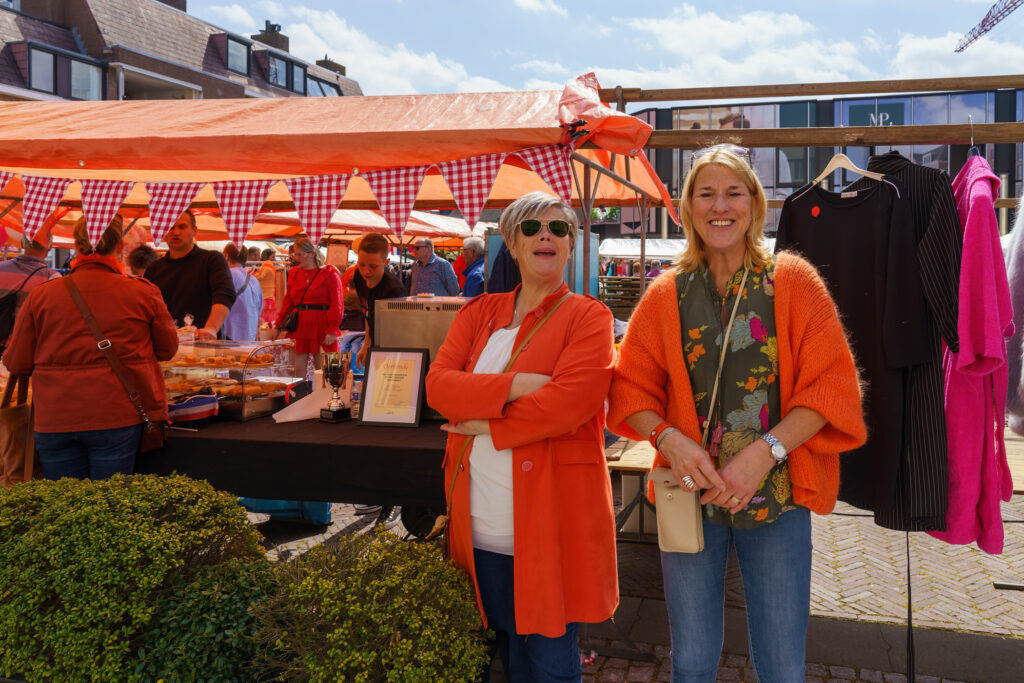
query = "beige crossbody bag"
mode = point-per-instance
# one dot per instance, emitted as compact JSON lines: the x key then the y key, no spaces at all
{"x":680,"y":524}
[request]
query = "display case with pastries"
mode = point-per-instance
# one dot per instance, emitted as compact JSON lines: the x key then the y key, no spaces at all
{"x":249,"y":378}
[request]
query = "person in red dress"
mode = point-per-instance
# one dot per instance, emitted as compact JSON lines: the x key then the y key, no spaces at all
{"x":315,"y":291}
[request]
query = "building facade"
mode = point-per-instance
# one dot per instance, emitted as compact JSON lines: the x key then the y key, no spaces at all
{"x":147,"y":49}
{"x":784,"y":169}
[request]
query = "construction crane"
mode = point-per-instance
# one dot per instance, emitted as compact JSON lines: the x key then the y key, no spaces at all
{"x":999,"y":11}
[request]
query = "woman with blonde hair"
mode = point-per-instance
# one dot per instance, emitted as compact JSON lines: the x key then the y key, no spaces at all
{"x":314,"y":294}
{"x":735,"y":366}
{"x":86,"y":426}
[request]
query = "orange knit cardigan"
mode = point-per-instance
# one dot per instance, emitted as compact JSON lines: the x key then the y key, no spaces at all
{"x":816,"y":370}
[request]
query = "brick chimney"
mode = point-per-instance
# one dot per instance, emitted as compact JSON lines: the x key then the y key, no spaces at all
{"x":271,"y":35}
{"x":331,"y":65}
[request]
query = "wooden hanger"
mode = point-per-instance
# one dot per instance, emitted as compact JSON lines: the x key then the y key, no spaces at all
{"x":842,"y":161}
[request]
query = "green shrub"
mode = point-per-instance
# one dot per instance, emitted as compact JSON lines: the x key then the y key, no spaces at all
{"x":203,"y":629}
{"x":372,"y":608}
{"x":85,"y":566}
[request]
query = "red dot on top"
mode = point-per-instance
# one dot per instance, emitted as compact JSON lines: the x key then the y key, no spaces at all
{"x":815,"y":210}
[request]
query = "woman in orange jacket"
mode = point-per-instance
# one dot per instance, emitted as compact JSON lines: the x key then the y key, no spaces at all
{"x":529,"y":494}
{"x":787,"y":403}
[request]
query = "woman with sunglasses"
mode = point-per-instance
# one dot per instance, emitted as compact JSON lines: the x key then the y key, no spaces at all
{"x":787,"y":402}
{"x":530,"y":502}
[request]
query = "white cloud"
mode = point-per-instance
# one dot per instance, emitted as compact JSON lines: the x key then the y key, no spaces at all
{"x":235,"y":16}
{"x":274,"y":10}
{"x":542,"y":67}
{"x":541,"y":6}
{"x":379,"y":69}
{"x":925,"y":57}
{"x":541,"y":84}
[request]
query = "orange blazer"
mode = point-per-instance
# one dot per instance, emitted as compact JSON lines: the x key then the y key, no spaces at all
{"x":816,"y":370}
{"x":565,"y":566}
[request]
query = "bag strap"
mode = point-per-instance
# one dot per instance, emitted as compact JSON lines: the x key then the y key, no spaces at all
{"x":19,"y":381}
{"x":248,"y":276}
{"x":104,"y":345}
{"x":508,"y":366}
{"x":30,"y":276}
{"x":721,"y":359}
{"x":303,"y":297}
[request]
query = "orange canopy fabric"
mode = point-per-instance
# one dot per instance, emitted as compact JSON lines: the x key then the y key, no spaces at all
{"x":271,"y":137}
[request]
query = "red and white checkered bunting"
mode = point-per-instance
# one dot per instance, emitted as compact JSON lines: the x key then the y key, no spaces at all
{"x":240,"y":201}
{"x":551,"y":163}
{"x":167,"y":201}
{"x":5,"y":177}
{"x":100,"y":201}
{"x":396,"y":190}
{"x":470,"y":181}
{"x":316,"y":198}
{"x":42,"y":195}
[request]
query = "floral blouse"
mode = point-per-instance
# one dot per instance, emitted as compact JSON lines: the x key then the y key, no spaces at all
{"x":748,"y":402}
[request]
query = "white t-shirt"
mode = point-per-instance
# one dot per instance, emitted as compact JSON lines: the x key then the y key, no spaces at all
{"x":490,"y":470}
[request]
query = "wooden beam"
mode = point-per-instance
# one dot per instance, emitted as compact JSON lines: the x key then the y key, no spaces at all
{"x":840,"y":136}
{"x":813,"y":90}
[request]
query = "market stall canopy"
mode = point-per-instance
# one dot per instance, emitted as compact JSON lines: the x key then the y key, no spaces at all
{"x":309,"y":153}
{"x":656,"y":249}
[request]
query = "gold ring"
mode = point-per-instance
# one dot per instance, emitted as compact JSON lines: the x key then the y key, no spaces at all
{"x":735,"y":498}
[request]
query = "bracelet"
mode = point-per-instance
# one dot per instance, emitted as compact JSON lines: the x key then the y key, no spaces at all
{"x":662,"y":437}
{"x":656,"y":432}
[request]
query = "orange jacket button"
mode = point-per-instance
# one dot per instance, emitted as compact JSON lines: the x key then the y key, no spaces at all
{"x":527,"y":466}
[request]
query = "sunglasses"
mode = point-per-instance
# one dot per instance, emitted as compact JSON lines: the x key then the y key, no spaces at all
{"x":531,"y":226}
{"x":735,"y":150}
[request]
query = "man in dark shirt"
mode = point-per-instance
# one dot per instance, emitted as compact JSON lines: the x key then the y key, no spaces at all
{"x":373,"y":283}
{"x":193,"y":281}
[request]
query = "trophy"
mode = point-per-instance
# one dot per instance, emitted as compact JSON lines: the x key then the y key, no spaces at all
{"x":335,"y":366}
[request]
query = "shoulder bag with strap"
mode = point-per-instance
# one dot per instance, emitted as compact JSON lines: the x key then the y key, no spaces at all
{"x":291,"y":321}
{"x":441,"y":523}
{"x":8,"y":304}
{"x":153,"y":434}
{"x":238,"y":292}
{"x":680,"y":523}
{"x":18,"y":461}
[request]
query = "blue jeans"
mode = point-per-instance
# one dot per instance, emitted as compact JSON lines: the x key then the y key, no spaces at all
{"x":93,"y":454}
{"x":526,"y":658}
{"x":775,"y":562}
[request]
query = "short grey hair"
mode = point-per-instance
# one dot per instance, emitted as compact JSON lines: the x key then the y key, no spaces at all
{"x":474,"y":243}
{"x":425,"y":240}
{"x":30,"y":243}
{"x":531,"y":205}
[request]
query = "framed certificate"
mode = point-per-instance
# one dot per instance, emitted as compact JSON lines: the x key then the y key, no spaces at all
{"x":394,"y":387}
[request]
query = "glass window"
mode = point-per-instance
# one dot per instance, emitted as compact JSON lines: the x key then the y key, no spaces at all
{"x":859,"y":156}
{"x":792,"y":166}
{"x":313,"y":88}
{"x":793,"y":115}
{"x":728,"y":117}
{"x":330,"y":90}
{"x":1020,"y":105}
{"x":41,"y":69}
{"x":277,"y":71}
{"x":298,"y":78}
{"x":857,"y":112}
{"x":763,"y":162}
{"x":761,"y":115}
{"x":931,"y":110}
{"x":238,"y":56}
{"x":86,"y":81}
{"x":892,"y":111}
{"x":933,"y":156}
{"x":973,"y":104}
{"x":692,"y":119}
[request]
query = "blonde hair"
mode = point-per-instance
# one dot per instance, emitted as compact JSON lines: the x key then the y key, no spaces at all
{"x":109,"y":240}
{"x":531,"y":205}
{"x":756,"y":252}
{"x":302,"y":242}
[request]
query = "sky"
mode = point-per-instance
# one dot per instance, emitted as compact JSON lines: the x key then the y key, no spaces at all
{"x":396,"y":47}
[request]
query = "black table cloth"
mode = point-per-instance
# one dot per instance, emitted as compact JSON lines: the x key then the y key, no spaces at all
{"x":310,"y":460}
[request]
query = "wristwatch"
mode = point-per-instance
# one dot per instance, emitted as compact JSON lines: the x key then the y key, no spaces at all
{"x":778,"y":451}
